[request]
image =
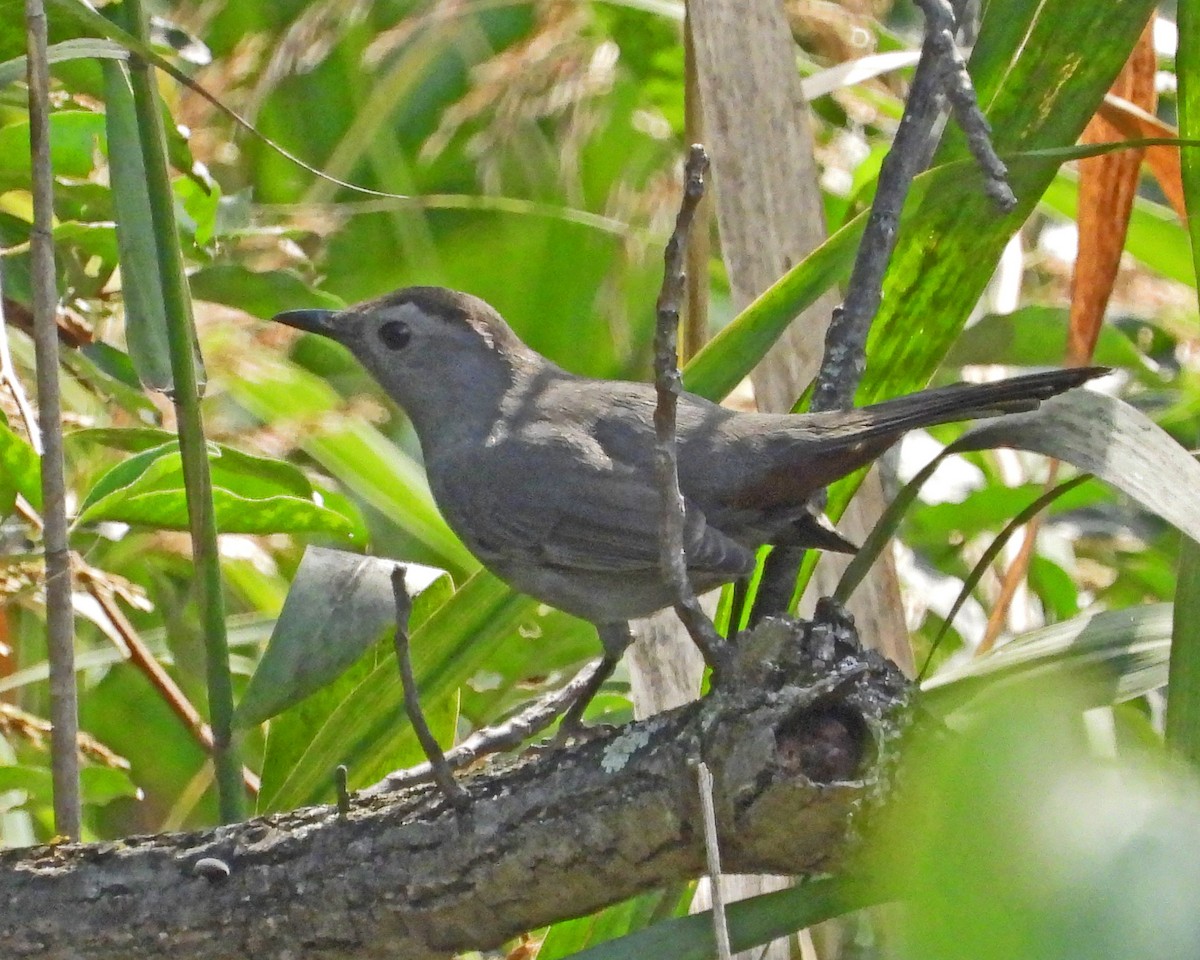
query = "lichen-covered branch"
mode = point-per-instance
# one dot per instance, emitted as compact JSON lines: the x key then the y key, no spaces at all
{"x":793,"y":740}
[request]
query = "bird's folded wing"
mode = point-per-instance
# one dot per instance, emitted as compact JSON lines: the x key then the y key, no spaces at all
{"x":600,"y":520}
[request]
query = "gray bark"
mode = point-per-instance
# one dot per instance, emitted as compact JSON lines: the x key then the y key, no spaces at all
{"x":794,"y":741}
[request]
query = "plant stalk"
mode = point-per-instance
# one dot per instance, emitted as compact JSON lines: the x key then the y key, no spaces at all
{"x":60,"y":619}
{"x":186,"y":398}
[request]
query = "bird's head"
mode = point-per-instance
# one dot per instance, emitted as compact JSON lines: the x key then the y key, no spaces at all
{"x":433,"y":350}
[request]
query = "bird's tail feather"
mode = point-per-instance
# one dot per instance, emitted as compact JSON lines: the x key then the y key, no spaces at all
{"x":970,"y":401}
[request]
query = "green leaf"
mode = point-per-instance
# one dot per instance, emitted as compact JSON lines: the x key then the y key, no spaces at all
{"x":338,"y":606}
{"x":259,"y":294}
{"x":250,"y":495}
{"x":356,"y":453}
{"x":20,"y":467}
{"x":97,"y":785}
{"x":367,"y":730}
{"x":951,"y":234}
{"x":1121,"y":654}
{"x":141,"y":282}
{"x":1183,"y":685}
{"x":74,"y":137}
{"x":1036,"y":336}
{"x":81,"y":48}
{"x":752,"y":922}
{"x":131,"y":439}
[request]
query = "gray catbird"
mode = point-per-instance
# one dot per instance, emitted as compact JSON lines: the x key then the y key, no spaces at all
{"x":548,"y":477}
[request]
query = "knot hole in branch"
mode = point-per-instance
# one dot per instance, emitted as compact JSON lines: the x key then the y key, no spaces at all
{"x":826,"y":741}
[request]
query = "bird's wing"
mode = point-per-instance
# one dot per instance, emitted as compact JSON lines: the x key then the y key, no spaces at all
{"x":580,"y":512}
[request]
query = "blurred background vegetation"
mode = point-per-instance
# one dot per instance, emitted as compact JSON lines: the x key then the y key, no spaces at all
{"x":538,"y":147}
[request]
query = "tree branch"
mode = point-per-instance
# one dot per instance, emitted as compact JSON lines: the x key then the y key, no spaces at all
{"x":794,"y":740}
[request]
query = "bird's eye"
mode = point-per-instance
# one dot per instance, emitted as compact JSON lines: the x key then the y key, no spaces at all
{"x":395,"y":334}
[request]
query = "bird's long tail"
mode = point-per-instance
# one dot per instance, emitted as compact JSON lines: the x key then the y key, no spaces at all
{"x":828,"y":446}
{"x":836,"y":443}
{"x":969,"y":401}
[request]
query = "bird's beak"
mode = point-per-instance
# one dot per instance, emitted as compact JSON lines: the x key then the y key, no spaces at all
{"x":310,"y":321}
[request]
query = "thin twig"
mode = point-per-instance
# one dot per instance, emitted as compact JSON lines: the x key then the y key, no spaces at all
{"x":668,"y":385}
{"x":340,"y":782}
{"x":712,"y":853}
{"x":845,"y":342}
{"x":60,"y":620}
{"x":941,"y":74}
{"x":134,"y":649}
{"x":940,"y":27}
{"x":442,"y":774}
{"x":504,"y":736}
{"x":695,"y":317}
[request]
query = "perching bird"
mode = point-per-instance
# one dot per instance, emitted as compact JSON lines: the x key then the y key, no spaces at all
{"x":549,"y":478}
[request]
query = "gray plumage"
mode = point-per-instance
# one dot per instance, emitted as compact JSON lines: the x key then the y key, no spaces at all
{"x":548,"y":477}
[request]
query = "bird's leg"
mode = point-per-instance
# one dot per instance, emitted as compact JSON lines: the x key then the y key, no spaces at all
{"x":615,"y":637}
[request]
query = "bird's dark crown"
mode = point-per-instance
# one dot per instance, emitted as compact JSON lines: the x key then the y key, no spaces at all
{"x":449,"y":305}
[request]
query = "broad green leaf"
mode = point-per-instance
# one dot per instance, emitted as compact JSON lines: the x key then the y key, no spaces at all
{"x":20,"y":467}
{"x":141,"y":283}
{"x":97,"y":785}
{"x":131,"y":439}
{"x":368,"y":730}
{"x":1036,"y":336}
{"x":259,"y":294}
{"x":167,"y":510}
{"x":339,"y":605}
{"x":1037,"y":95}
{"x":250,"y":495}
{"x":938,"y":193}
{"x":74,"y":137}
{"x":159,"y":468}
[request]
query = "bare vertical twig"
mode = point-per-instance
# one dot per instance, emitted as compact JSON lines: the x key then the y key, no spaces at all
{"x":695,"y":317}
{"x":440,"y":769}
{"x":60,"y":620}
{"x":712,"y":853}
{"x":668,"y":384}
